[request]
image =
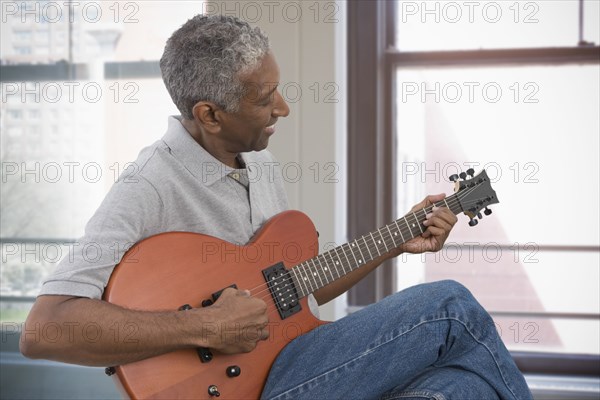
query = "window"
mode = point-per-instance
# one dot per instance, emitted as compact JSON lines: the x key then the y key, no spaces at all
{"x":21,"y":36}
{"x":14,"y":114}
{"x":55,"y":174}
{"x":22,"y":50}
{"x":451,"y":25}
{"x":526,"y":124}
{"x":514,"y":260}
{"x":523,"y":103}
{"x":41,"y":37}
{"x":33,"y":114}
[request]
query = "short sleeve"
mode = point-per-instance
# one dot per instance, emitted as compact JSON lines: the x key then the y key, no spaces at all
{"x":131,"y":211}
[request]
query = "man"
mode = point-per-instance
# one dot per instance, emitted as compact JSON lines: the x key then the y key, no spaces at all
{"x":430,"y":341}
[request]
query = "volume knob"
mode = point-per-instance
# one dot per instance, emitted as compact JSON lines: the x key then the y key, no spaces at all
{"x":233,"y":371}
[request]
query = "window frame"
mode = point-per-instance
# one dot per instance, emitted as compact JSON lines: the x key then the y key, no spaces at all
{"x":65,"y":71}
{"x":372,"y":62}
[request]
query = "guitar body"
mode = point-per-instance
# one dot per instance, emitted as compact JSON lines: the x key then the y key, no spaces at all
{"x":168,"y":270}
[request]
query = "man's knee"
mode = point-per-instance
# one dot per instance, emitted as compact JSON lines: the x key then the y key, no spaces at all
{"x":453,"y":297}
{"x":453,"y":290}
{"x":446,"y":291}
{"x":460,"y":302}
{"x":438,"y":299}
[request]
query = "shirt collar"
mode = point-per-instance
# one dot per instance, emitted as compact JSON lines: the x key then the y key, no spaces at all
{"x":203,"y":165}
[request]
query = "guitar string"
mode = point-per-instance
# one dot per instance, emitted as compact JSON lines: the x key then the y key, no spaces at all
{"x":361,"y":247}
{"x":323,"y":255}
{"x":272,"y":307}
{"x":289,"y":287}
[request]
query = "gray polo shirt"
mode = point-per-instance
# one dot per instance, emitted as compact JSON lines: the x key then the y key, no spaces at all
{"x":174,"y":185}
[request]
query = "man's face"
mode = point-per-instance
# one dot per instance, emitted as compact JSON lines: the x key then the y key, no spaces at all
{"x":250,"y":127}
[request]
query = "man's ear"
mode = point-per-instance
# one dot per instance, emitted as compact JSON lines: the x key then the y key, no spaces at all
{"x":207,"y":115}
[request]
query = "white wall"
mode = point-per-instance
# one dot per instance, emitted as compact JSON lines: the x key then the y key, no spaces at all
{"x":308,"y":40}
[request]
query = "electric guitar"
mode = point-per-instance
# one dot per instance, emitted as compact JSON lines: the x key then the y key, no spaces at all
{"x":181,"y":270}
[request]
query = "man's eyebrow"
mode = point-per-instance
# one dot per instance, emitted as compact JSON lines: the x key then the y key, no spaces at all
{"x":271,"y":91}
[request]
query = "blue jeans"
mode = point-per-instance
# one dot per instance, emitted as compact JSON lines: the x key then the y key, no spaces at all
{"x":431,"y":341}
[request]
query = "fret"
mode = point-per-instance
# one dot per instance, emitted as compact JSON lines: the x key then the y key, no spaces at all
{"x":319,"y":272}
{"x":457,"y":207}
{"x":332,"y":264}
{"x":408,"y":226}
{"x":312,"y":275}
{"x":367,"y":246}
{"x":329,"y":264}
{"x":362,"y":257}
{"x":340,"y":262}
{"x":311,"y":280}
{"x":375,"y":244}
{"x":391,"y":236}
{"x":326,"y":268}
{"x":400,"y":230}
{"x":417,"y":222}
{"x":312,"y":268}
{"x":383,"y":240}
{"x":306,"y":280}
{"x":421,"y":226}
{"x":353,"y":256}
{"x":302,"y":282}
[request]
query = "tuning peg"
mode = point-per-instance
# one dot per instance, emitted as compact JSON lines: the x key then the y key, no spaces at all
{"x":479,"y":215}
{"x":463,"y":176}
{"x":473,"y":222}
{"x":453,"y":177}
{"x":487,"y":211}
{"x":471,"y":172}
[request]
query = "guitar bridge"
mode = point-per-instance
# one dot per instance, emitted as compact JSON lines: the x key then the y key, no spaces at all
{"x":283,"y":290}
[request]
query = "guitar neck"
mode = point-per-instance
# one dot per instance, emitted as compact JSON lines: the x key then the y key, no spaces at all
{"x":313,"y":274}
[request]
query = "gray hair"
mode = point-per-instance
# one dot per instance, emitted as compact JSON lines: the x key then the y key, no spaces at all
{"x":203,"y":61}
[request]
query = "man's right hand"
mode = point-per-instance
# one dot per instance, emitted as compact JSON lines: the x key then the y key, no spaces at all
{"x":234,"y":324}
{"x":240,"y":322}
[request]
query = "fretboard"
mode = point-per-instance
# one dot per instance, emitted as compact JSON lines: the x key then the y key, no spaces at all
{"x":327,"y":267}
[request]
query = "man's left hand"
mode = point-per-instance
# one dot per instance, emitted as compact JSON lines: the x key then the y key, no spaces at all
{"x":439,"y":223}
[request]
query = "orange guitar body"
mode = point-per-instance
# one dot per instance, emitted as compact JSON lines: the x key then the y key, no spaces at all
{"x":168,"y":270}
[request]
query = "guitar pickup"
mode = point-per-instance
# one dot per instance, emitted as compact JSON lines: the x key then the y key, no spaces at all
{"x":205,"y":354}
{"x":283,"y":290}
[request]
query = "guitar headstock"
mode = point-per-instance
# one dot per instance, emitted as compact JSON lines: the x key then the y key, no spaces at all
{"x":474,"y":194}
